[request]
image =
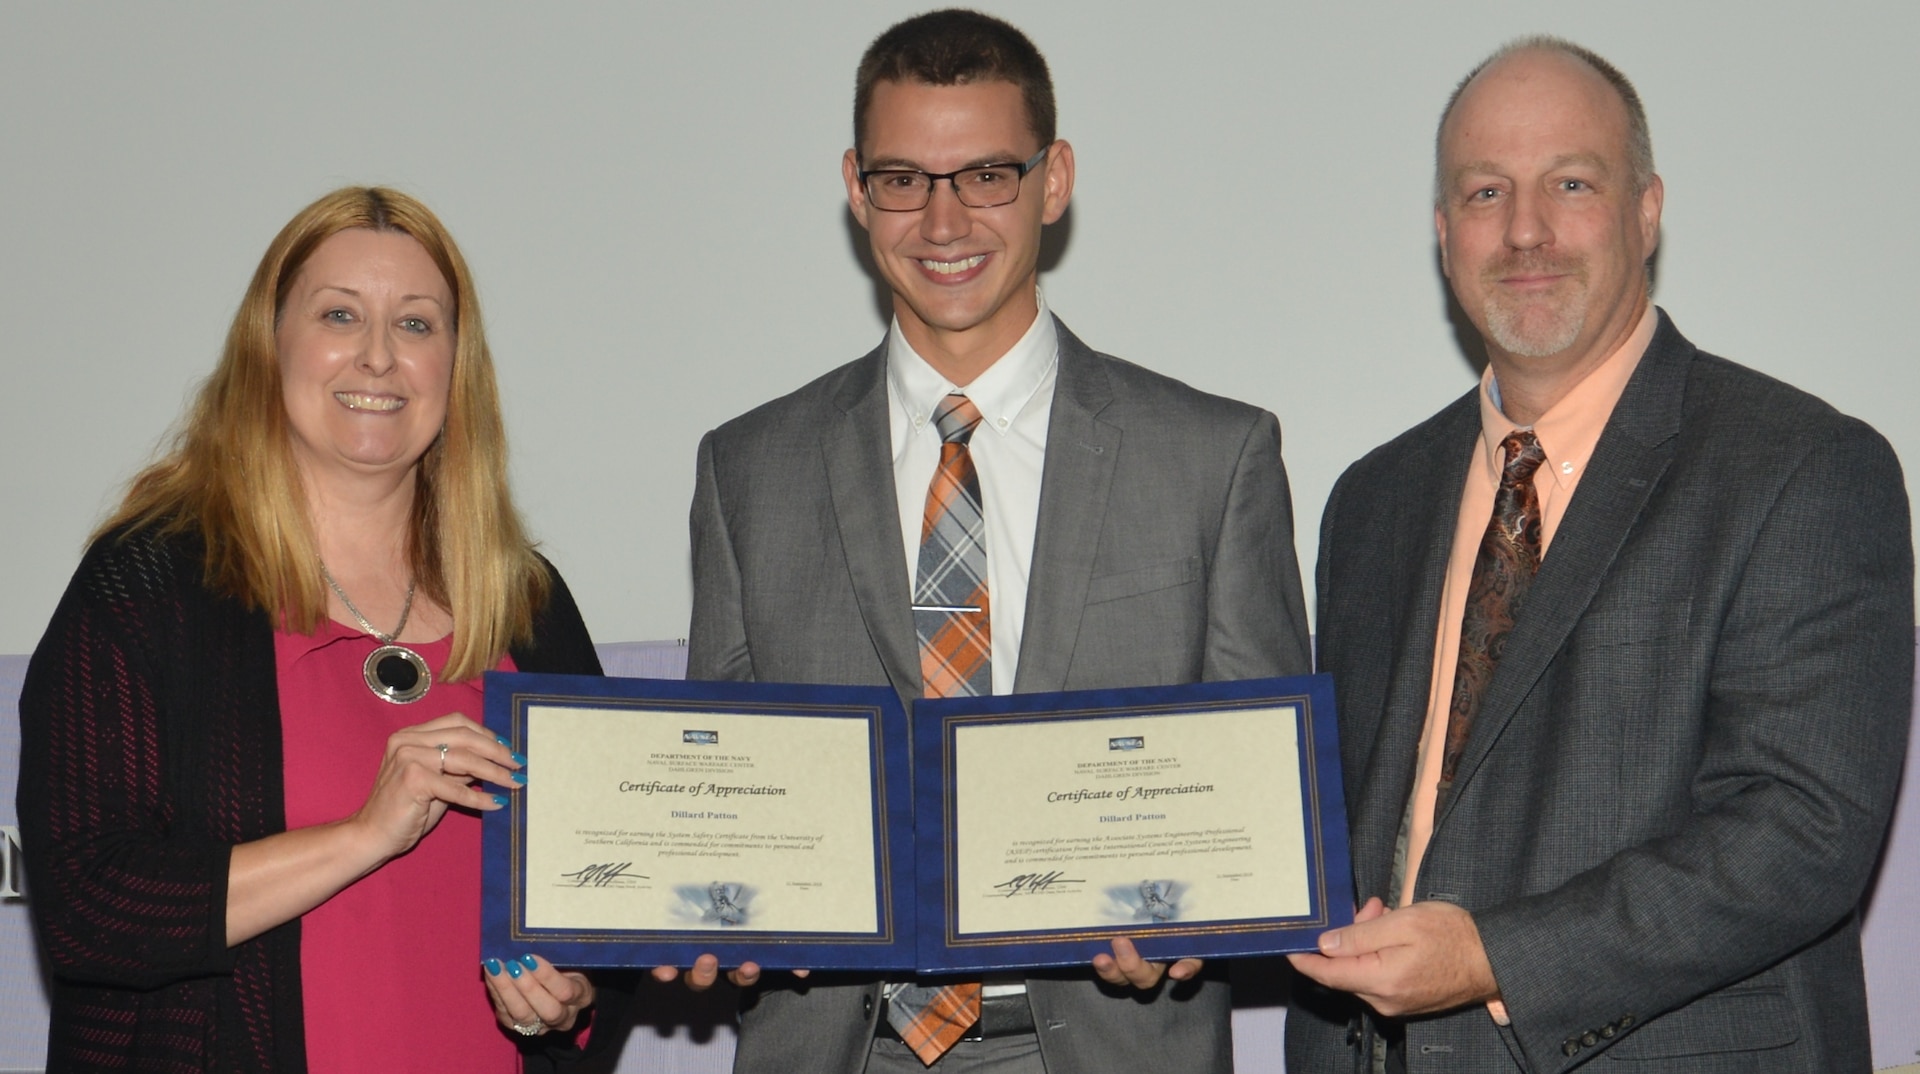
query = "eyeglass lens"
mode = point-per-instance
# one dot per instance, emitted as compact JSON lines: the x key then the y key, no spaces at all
{"x":977,"y":188}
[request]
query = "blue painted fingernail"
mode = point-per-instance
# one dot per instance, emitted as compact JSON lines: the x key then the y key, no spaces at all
{"x":499,"y":799}
{"x":530,"y":962}
{"x":519,"y":758}
{"x":492,"y":966}
{"x":520,"y":778}
{"x":513,"y":969}
{"x":503,"y":740}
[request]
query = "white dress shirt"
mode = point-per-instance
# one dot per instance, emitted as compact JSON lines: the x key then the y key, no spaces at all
{"x":1009,"y":448}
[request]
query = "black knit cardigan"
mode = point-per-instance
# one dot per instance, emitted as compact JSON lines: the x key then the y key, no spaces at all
{"x":150,"y":746}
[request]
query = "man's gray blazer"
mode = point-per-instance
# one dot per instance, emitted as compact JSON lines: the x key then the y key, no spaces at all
{"x":1680,"y":775}
{"x":1163,"y":554}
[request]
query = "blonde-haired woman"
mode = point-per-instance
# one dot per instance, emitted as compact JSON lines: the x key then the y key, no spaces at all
{"x":250,"y":791}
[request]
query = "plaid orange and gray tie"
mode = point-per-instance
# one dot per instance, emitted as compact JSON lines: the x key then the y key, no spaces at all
{"x":950,"y":593}
{"x":956,"y":660}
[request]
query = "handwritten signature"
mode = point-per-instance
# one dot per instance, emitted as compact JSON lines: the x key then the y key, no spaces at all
{"x":600,"y":876}
{"x":1034,"y":883}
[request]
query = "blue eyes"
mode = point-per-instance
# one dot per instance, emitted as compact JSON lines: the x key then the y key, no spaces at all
{"x":1564,"y":186}
{"x":418,"y":326}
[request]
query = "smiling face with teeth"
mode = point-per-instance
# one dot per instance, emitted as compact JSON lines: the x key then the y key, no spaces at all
{"x":365,"y":345}
{"x":963,"y":279}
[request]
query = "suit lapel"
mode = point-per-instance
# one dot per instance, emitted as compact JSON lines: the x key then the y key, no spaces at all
{"x":1634,"y":451}
{"x":1417,"y":567}
{"x":860,"y":478}
{"x":1075,"y":483}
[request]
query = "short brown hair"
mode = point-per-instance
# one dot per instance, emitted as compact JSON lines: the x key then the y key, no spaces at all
{"x":230,"y":473}
{"x":954,"y":47}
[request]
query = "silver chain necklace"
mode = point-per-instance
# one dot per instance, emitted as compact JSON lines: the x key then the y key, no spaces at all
{"x":393,"y":672}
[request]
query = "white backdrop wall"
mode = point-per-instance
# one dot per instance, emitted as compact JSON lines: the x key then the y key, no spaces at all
{"x":649,"y":195}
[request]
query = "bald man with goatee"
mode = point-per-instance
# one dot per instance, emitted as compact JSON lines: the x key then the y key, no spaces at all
{"x":1623,"y":646}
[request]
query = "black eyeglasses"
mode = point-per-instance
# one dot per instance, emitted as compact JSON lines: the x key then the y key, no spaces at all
{"x":904,"y":190}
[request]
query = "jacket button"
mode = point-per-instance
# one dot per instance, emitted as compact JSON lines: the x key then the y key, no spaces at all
{"x":1570,"y":1046}
{"x":1626,"y":1020}
{"x":1590,"y":1038}
{"x":1607,"y":1031}
{"x":866,"y":1005}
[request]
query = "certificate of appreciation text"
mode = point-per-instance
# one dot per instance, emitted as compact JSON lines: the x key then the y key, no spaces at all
{"x":665,"y":820}
{"x":1198,"y":820}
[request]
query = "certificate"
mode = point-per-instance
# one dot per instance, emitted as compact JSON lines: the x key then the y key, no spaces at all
{"x":1202,"y":820}
{"x":663,"y":820}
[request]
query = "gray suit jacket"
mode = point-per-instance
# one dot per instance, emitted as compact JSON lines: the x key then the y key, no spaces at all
{"x":1163,"y":554}
{"x":1678,"y":782}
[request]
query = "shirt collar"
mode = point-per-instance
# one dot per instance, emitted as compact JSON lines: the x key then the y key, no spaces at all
{"x":1570,"y":429}
{"x":325,"y":633}
{"x":329,"y":632}
{"x":1001,"y":393}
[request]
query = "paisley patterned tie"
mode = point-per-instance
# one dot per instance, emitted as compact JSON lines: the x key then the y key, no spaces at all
{"x":1502,"y":573}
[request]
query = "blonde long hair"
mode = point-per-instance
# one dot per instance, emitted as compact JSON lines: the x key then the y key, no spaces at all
{"x":230,"y":474}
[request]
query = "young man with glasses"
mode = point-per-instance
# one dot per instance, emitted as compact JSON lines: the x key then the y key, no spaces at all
{"x":983,"y":504}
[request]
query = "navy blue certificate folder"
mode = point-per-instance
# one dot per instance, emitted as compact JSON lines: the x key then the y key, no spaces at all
{"x":1200,"y":821}
{"x":663,"y":820}
{"x":804,"y":827}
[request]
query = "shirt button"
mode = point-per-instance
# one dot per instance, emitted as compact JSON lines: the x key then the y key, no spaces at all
{"x":1566,"y":467}
{"x":1002,"y":423}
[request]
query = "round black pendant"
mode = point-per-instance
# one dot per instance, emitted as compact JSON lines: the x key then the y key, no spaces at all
{"x":396,"y":673}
